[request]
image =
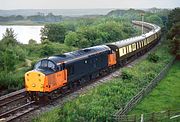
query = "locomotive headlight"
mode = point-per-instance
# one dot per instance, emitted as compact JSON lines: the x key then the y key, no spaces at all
{"x":33,"y":85}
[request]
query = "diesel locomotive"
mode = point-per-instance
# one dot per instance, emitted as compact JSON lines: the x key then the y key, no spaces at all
{"x":54,"y":74}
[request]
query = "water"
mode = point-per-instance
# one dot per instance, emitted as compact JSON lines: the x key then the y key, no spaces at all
{"x":24,"y":33}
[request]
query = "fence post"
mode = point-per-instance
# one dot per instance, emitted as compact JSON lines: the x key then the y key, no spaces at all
{"x":142,"y":118}
{"x":153,"y":117}
{"x":168,"y":113}
{"x":135,"y":118}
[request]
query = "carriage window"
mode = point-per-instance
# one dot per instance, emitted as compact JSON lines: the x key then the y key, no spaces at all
{"x":133,"y":46}
{"x":127,"y":49}
{"x":137,"y":45}
{"x":142,"y":44}
{"x":130,"y":49}
{"x":145,"y":42}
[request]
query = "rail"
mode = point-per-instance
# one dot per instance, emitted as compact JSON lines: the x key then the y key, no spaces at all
{"x":18,"y":111}
{"x":12,"y":94}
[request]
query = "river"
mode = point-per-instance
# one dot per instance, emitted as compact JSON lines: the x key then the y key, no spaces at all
{"x":23,"y":33}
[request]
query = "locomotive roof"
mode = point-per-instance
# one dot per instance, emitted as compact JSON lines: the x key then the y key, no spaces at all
{"x":78,"y":54}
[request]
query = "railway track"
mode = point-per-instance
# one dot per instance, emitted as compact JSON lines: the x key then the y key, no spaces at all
{"x":18,"y":111}
{"x":11,"y":97}
{"x":14,"y":105}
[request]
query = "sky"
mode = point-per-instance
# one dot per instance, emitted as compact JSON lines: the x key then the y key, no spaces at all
{"x":86,"y":4}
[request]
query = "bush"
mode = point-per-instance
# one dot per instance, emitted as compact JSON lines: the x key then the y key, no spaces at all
{"x":11,"y":80}
{"x":153,"y":57}
{"x":126,"y":75}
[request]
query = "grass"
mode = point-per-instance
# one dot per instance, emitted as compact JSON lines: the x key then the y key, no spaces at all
{"x":165,"y":96}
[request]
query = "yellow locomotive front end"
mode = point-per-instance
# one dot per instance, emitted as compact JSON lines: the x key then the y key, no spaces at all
{"x":45,"y":78}
{"x":34,"y":81}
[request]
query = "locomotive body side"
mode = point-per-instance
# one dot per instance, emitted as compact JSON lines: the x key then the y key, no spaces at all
{"x":58,"y":71}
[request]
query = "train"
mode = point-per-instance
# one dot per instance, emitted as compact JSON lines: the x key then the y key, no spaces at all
{"x":55,"y":74}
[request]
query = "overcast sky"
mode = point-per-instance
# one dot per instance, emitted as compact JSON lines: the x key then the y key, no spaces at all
{"x":86,"y":4}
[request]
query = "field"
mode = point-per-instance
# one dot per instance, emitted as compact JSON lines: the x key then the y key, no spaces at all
{"x":165,"y":96}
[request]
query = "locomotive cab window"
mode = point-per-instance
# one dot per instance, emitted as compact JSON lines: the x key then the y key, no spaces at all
{"x":45,"y":64}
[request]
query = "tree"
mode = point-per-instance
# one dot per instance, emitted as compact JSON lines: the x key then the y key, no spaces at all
{"x":9,"y":37}
{"x":71,"y":39}
{"x":19,"y":17}
{"x":91,"y":34}
{"x":84,"y":43}
{"x":8,"y":60}
{"x":113,"y":30}
{"x":10,"y":50}
{"x":173,"y":17}
{"x":47,"y":48}
{"x":174,"y":32}
{"x":53,"y":32}
{"x":32,"y":41}
{"x":174,"y":35}
{"x":155,"y":19}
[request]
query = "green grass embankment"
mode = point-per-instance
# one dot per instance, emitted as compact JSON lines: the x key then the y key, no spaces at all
{"x":166,"y":96}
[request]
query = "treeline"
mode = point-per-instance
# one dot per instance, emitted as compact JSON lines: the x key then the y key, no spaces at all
{"x":116,"y":25}
{"x":40,"y":17}
{"x":88,"y":32}
{"x":157,"y":16}
{"x":174,"y":31}
{"x":11,"y":18}
{"x":45,"y":18}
